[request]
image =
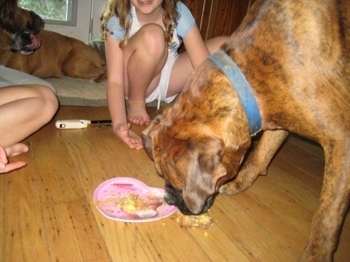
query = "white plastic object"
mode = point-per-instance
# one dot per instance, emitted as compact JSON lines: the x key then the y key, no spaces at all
{"x":72,"y":124}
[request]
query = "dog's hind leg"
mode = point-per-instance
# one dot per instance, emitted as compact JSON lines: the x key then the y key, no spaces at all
{"x":334,"y":202}
{"x":257,"y":161}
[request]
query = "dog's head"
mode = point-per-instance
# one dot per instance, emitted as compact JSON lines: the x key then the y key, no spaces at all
{"x":19,"y":29}
{"x":198,"y":143}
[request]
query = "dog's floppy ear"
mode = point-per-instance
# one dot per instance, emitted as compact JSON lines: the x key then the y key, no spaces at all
{"x":35,"y":24}
{"x":204,"y":169}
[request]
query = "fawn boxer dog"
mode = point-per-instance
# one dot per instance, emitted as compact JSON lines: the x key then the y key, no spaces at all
{"x":285,"y":69}
{"x":29,"y":48}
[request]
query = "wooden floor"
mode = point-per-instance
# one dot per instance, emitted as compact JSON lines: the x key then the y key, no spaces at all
{"x":48,"y":212}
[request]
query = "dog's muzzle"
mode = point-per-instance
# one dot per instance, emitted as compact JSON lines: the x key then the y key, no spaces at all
{"x":25,"y":43}
{"x":174,"y":197}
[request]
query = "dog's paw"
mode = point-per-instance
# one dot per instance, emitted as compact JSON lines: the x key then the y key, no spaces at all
{"x":230,"y":189}
{"x":237,"y":185}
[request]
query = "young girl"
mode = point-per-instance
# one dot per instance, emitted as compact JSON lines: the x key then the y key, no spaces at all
{"x":142,"y":38}
{"x":26,"y":104}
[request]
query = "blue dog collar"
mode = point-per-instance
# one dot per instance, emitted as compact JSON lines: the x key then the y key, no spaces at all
{"x":244,"y":91}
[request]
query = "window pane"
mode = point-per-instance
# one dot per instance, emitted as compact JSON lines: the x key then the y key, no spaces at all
{"x":53,"y":11}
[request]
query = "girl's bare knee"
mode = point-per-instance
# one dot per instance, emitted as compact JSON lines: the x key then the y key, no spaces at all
{"x":153,"y":39}
{"x":49,"y":102}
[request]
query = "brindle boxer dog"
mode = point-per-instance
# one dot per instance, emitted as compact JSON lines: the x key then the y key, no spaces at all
{"x":286,"y":69}
{"x":28,"y":48}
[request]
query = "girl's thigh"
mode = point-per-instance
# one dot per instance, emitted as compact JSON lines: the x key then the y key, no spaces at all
{"x":180,"y":73}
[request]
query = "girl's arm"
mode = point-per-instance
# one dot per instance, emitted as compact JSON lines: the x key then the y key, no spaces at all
{"x":195,"y":47}
{"x":115,"y":86}
{"x":116,"y":94}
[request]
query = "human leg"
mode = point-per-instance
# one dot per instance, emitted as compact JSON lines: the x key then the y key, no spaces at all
{"x":145,"y":56}
{"x":23,"y":110}
{"x":183,"y":67}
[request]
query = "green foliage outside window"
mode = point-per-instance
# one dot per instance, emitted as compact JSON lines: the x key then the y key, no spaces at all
{"x":47,"y":9}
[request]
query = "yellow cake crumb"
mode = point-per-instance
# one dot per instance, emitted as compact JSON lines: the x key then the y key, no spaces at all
{"x":202,"y":221}
{"x":131,"y":203}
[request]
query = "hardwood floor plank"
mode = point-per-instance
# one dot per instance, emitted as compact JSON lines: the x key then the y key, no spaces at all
{"x":256,"y":209}
{"x":247,"y":232}
{"x":64,"y":200}
{"x":56,"y":171}
{"x":221,"y":247}
{"x":122,"y":243}
{"x":306,"y":182}
{"x":63,"y":242}
{"x":313,"y":165}
{"x":24,"y":232}
{"x":307,"y":145}
{"x":291,"y":189}
{"x":48,"y":210}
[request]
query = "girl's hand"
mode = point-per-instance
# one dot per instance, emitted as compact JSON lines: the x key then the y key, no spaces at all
{"x":14,"y":150}
{"x":124,"y":132}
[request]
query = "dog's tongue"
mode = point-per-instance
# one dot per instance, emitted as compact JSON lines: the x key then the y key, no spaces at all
{"x":35,"y":44}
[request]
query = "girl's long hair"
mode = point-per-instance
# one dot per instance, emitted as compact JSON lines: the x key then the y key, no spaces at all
{"x":121,"y":8}
{"x":8,"y":15}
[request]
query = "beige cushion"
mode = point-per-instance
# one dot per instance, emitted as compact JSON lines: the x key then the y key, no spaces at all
{"x":79,"y":92}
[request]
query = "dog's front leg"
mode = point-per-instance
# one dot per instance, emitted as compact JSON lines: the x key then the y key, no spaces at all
{"x":257,"y":161}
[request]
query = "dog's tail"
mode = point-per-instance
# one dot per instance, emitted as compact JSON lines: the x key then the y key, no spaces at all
{"x":102,"y":77}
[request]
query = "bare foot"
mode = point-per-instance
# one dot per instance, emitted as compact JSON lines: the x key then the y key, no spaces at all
{"x":13,"y":150}
{"x":16,"y":149}
{"x":137,"y":113}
